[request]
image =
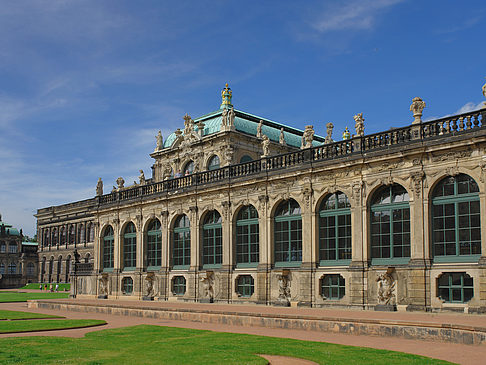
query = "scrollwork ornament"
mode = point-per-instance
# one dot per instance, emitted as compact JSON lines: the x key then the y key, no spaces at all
{"x":416,"y":182}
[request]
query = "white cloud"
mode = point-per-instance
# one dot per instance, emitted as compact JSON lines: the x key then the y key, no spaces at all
{"x":469,"y":107}
{"x":355,"y":14}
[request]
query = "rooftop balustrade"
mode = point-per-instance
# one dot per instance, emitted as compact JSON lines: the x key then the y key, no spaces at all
{"x":440,"y":128}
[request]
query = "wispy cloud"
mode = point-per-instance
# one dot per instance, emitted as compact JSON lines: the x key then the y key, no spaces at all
{"x":351,"y":15}
{"x":469,"y":107}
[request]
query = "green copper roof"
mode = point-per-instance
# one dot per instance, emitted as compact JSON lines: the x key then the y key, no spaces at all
{"x":248,"y":123}
{"x":30,"y":244}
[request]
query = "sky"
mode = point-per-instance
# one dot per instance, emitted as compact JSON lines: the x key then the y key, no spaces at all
{"x":86,"y":85}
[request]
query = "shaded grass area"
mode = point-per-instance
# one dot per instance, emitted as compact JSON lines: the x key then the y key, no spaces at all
{"x":12,"y":315}
{"x":146,"y":344}
{"x":11,"y":296}
{"x":62,"y":286}
{"x":46,"y":324}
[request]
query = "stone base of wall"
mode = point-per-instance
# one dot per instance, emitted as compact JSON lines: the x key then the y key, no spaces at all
{"x":462,"y":334}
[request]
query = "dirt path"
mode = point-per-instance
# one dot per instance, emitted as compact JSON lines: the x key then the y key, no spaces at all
{"x":462,"y":354}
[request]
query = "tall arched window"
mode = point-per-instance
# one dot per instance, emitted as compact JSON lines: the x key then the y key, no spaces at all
{"x":30,"y":269}
{"x":90,"y":232}
{"x":45,"y":242}
{"x":72,"y":234}
{"x":154,"y":245}
{"x":68,"y":269}
{"x":108,"y":249}
{"x":212,"y":240}
{"x":247,"y":237}
{"x":335,"y":229}
{"x":288,"y":234}
{"x":390,"y":225}
{"x":130,"y":247}
{"x":63,"y":235}
{"x":12,"y":268}
{"x":2,"y":268}
{"x":181,"y":242}
{"x":456,"y":219}
{"x":51,"y":268}
{"x":245,"y":158}
{"x":213,"y":163}
{"x":188,"y":168}
{"x":59,"y":268}
{"x":55,"y":238}
{"x":81,"y":234}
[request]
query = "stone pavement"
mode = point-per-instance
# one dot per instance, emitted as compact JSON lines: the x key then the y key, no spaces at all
{"x":463,"y":354}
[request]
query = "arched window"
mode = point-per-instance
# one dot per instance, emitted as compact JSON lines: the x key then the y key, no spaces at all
{"x":335,"y":229}
{"x":30,"y":269}
{"x":68,"y":269}
{"x":130,"y":247}
{"x":179,"y":285}
{"x":181,"y":242}
{"x":45,"y":242}
{"x":63,"y":235}
{"x":59,"y":267}
{"x":455,"y":287}
{"x":3,"y":247}
{"x":2,"y":268}
{"x":245,"y":158}
{"x":456,"y":219}
{"x":108,"y":249}
{"x":12,"y":248}
{"x":188,"y":168}
{"x":288,"y":234}
{"x":154,"y":245}
{"x":81,"y":234}
{"x":12,"y":268}
{"x":390,"y":225}
{"x":72,"y":234}
{"x":213,"y":163}
{"x":247,"y":237}
{"x":127,"y":286}
{"x":333,"y":287}
{"x":212,"y":240}
{"x":90,"y":232}
{"x":55,"y":240}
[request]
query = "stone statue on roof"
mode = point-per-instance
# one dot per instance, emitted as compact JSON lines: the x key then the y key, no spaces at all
{"x":120,"y":182}
{"x":484,"y":92}
{"x":231,"y":117}
{"x":99,"y":187}
{"x":141,"y":177}
{"x":281,"y":138}
{"x":308,"y":136}
{"x":224,"y":118}
{"x":359,"y":124}
{"x":160,"y":141}
{"x":329,"y":128}
{"x":259,"y":129}
{"x":266,"y":145}
{"x":417,"y":107}
{"x":188,"y":125}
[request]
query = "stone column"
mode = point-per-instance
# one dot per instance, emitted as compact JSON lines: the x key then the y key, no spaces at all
{"x":164,"y":287}
{"x":265,"y":248}
{"x":140,"y":251}
{"x":117,"y":242}
{"x":308,"y":249}
{"x":97,"y":252}
{"x":192,"y":284}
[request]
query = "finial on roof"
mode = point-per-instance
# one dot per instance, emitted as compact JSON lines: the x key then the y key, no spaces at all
{"x":226,"y":95}
{"x":484,"y":92}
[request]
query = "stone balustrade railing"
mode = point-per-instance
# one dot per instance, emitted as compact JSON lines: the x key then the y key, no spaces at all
{"x":439,"y":128}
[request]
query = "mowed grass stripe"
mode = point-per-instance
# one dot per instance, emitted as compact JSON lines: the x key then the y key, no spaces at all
{"x":146,"y":344}
{"x":10,"y":296}
{"x":17,"y":315}
{"x":46,"y":325}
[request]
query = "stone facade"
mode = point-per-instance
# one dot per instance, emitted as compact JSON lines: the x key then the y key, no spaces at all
{"x":18,"y":259}
{"x":383,"y":219}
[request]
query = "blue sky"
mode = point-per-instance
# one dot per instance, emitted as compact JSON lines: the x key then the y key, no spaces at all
{"x":85,"y":85}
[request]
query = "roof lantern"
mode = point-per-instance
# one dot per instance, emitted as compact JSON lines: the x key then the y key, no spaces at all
{"x":226,"y":95}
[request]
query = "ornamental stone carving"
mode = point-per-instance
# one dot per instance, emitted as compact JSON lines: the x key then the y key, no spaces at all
{"x":281,"y":138}
{"x":266,"y":146}
{"x":386,"y":285}
{"x":207,"y":281}
{"x":482,"y":166}
{"x":307,"y":137}
{"x":356,"y":192}
{"x":99,"y":187}
{"x":141,"y":178}
{"x":120,"y":182}
{"x":103,"y":285}
{"x":417,"y":108}
{"x":307,"y":195}
{"x":159,"y":142}
{"x":329,"y":128}
{"x":359,"y":124}
{"x":284,"y":288}
{"x":484,"y":92}
{"x":259,"y":129}
{"x":149,"y":285}
{"x":416,"y":182}
{"x":226,"y":209}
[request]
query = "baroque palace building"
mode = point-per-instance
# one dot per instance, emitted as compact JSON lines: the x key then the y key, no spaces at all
{"x":244,"y":209}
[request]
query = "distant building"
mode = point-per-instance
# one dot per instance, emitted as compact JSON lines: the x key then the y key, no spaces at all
{"x":18,"y":260}
{"x":244,"y":209}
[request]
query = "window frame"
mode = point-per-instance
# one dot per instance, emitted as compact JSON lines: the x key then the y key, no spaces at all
{"x":154,"y":245}
{"x":451,"y":287}
{"x":130,"y":241}
{"x":212,"y":234}
{"x":127,"y":283}
{"x":340,"y":287}
{"x":179,"y":237}
{"x":245,"y":289}
{"x":252,"y":226}
{"x":287,"y":220}
{"x":108,"y":249}
{"x":176,"y":286}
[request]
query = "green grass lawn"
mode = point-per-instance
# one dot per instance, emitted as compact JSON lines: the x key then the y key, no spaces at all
{"x":62,"y":286}
{"x":11,"y":296}
{"x":13,"y":315}
{"x":146,"y":344}
{"x":46,"y":324}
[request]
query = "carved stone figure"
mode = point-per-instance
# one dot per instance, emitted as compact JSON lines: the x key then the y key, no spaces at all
{"x":484,"y":92}
{"x":224,"y":118}
{"x":259,"y":129}
{"x":99,"y":187}
{"x":359,"y":124}
{"x":387,"y":288}
{"x":329,"y":128}
{"x":308,"y":136}
{"x":417,"y":108}
{"x":103,"y":287}
{"x":159,"y":140}
{"x":141,"y":177}
{"x":281,"y":138}
{"x":208,"y":282}
{"x":284,"y":289}
{"x":120,"y":182}
{"x":149,"y":285}
{"x":231,"y":117}
{"x":266,"y":146}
